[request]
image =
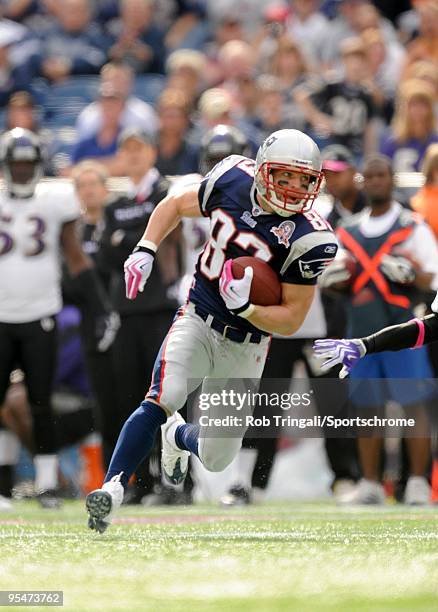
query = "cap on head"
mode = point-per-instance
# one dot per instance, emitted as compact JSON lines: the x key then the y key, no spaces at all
{"x":133,"y":133}
{"x":336,"y":158}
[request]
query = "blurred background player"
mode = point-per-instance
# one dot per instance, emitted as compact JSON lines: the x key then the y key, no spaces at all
{"x":34,"y":227}
{"x":407,"y":256}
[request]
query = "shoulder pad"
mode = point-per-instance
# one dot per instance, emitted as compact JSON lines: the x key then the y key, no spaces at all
{"x":217,"y":177}
{"x":227,"y":164}
{"x":307,"y":243}
{"x":57,"y":189}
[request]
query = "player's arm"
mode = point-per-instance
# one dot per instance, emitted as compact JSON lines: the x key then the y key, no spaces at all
{"x":165,"y":218}
{"x":287,"y":318}
{"x":413,"y":334}
{"x":347,"y":352}
{"x":169,"y":212}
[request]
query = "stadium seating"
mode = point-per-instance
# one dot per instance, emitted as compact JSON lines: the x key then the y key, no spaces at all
{"x":65,"y":100}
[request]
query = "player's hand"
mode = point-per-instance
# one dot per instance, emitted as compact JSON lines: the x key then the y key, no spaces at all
{"x":106,"y":328}
{"x":137,"y":269}
{"x":235,"y":291}
{"x":333,"y":274}
{"x":398,"y":269}
{"x":334,"y":352}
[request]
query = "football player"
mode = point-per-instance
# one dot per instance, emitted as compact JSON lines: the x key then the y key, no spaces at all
{"x":37,"y":220}
{"x":261,"y":208}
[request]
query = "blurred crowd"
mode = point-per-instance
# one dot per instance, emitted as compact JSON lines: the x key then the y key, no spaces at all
{"x":134,"y":88}
{"x":353,"y":72}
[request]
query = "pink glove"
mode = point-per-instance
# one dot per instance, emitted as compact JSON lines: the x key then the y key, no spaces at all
{"x":137,"y":268}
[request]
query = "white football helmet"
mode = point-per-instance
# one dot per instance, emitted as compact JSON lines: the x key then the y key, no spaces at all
{"x":21,"y":158}
{"x":294,"y":151}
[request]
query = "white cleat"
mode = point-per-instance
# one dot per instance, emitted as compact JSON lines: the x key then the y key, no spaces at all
{"x":417,"y":492}
{"x":366,"y":492}
{"x":174,"y":461}
{"x":102,"y":504}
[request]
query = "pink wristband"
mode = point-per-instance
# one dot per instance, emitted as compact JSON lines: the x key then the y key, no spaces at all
{"x":421,"y":331}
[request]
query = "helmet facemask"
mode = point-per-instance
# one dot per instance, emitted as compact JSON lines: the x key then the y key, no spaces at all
{"x":286,"y":201}
{"x":22,"y":177}
{"x":22,"y":162}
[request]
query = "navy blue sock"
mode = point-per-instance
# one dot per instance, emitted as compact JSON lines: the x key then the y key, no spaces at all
{"x":135,"y":440}
{"x":186,"y":437}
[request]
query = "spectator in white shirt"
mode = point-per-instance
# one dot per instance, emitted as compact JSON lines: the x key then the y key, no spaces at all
{"x":136,"y":113}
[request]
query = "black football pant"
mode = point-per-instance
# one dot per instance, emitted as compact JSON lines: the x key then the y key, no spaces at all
{"x":32,"y":347}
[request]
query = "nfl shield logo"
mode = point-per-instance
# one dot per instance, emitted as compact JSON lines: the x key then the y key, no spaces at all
{"x":283,"y":232}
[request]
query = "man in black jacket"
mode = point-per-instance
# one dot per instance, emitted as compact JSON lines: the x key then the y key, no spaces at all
{"x":144,"y":322}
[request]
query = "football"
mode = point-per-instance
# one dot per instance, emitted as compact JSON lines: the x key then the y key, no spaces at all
{"x":265,"y":286}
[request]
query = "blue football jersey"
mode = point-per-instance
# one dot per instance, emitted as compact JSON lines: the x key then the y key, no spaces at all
{"x":298,"y":248}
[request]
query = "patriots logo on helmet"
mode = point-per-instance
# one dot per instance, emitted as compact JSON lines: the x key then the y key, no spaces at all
{"x":283,"y":232}
{"x":270,"y":141}
{"x":313,"y":267}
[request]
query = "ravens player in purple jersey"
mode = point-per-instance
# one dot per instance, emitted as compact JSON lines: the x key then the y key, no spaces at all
{"x":262,"y":209}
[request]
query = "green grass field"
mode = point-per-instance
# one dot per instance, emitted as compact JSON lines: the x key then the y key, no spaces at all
{"x":271,"y":557}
